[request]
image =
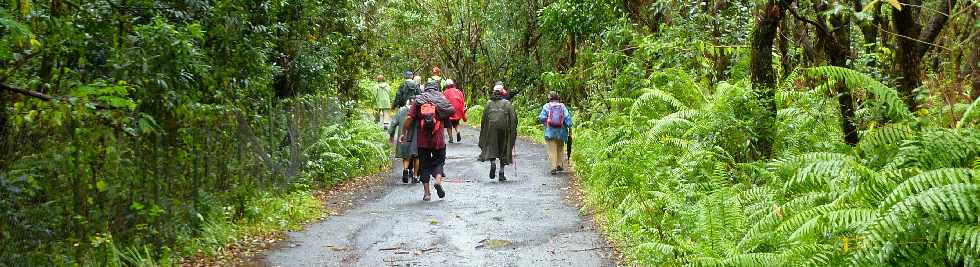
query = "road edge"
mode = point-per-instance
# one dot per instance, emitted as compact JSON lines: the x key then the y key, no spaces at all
{"x":336,"y":200}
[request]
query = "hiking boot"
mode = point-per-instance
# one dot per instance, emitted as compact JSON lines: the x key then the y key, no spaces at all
{"x":554,"y":172}
{"x":427,"y":198}
{"x":560,"y":168}
{"x":405,"y":176}
{"x":439,"y":191}
{"x":415,"y":180}
{"x":503,"y":177}
{"x":493,"y":171}
{"x":459,"y":137}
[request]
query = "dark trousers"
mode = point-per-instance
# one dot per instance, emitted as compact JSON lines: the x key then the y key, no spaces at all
{"x":431,"y":161}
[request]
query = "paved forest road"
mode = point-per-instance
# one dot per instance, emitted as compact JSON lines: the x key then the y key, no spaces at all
{"x":481,"y":222}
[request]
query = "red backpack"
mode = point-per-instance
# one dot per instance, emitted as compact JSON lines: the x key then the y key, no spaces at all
{"x":430,"y":121}
{"x":556,"y":116}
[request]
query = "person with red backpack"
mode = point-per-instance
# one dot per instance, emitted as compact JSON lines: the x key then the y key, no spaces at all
{"x":455,"y":97}
{"x":557,"y":120}
{"x":431,"y":109}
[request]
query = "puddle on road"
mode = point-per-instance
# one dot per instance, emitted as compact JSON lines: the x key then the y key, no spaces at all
{"x":494,"y":244}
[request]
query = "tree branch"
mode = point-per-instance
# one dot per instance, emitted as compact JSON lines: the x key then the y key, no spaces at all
{"x":17,"y":65}
{"x":42,"y":96}
{"x":26,"y":92}
{"x":935,"y":26}
{"x":823,"y":30}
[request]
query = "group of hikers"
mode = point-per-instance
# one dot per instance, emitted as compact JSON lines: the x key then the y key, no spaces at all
{"x":429,"y":115}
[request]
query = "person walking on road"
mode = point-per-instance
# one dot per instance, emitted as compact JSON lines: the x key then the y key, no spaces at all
{"x":382,"y":101}
{"x":408,"y":90}
{"x":498,"y":132}
{"x":430,"y":110}
{"x":405,"y":150}
{"x":557,"y":120}
{"x":436,"y":72}
{"x":455,"y":97}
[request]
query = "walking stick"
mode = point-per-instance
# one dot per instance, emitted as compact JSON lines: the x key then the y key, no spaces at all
{"x":568,"y":145}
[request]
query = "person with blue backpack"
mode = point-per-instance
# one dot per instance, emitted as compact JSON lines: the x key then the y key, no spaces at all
{"x":557,"y":120}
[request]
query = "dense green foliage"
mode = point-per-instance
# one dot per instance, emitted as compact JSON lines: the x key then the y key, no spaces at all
{"x":742,"y":133}
{"x":135,"y":132}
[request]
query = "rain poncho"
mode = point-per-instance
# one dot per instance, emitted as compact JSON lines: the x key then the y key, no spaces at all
{"x":455,"y":97}
{"x":498,"y":131}
{"x":408,"y":148}
{"x":382,"y":96}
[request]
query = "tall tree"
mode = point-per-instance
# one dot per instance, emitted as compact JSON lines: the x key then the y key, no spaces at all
{"x":913,"y":39}
{"x":834,"y":37}
{"x":763,"y":75}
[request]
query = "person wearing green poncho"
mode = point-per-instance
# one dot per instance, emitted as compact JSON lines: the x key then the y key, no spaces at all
{"x":382,"y":101}
{"x":498,"y":132}
{"x":407,"y":151}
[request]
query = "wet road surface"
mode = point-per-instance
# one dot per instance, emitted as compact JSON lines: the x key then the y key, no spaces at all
{"x":481,"y":222}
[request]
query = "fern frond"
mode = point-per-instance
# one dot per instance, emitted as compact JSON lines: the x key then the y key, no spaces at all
{"x":879,"y":145}
{"x":801,"y":218}
{"x":961,"y":240}
{"x":949,"y":202}
{"x":671,"y":126}
{"x":650,"y":94}
{"x":838,"y":220}
{"x":928,"y":180}
{"x":971,"y":115}
{"x":802,"y":254}
{"x":656,"y":249}
{"x":941,"y":148}
{"x":752,"y":259}
{"x":853,"y":79}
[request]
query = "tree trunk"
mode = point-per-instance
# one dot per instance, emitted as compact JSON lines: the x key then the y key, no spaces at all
{"x":913,"y":43}
{"x":722,"y":58}
{"x":973,"y":62}
{"x":782,"y":42}
{"x":4,"y":131}
{"x":837,"y":47}
{"x":869,"y":29}
{"x":763,"y":75}
{"x":906,"y":60}
{"x":634,"y":10}
{"x":573,"y":50}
